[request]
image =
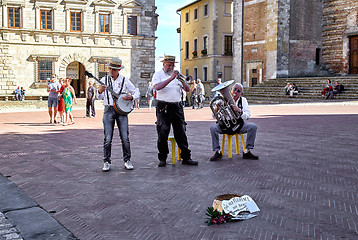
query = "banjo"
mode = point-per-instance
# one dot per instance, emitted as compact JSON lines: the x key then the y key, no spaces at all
{"x":121,"y":106}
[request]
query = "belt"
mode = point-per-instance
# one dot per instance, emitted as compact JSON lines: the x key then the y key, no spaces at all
{"x":168,"y":103}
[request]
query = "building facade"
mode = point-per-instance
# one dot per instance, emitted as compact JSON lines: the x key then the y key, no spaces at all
{"x":67,"y":37}
{"x":340,"y":36}
{"x":206,"y":35}
{"x":277,"y":38}
{"x":294,"y":38}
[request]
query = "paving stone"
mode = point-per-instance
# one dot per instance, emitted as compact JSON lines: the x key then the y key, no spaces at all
{"x":305,"y":182}
{"x":35,"y":223}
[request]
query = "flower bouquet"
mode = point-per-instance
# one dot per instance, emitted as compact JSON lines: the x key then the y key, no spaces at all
{"x":216,"y":217}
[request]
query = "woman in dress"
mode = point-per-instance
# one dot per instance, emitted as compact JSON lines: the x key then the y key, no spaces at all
{"x":69,"y":94}
{"x":61,"y":103}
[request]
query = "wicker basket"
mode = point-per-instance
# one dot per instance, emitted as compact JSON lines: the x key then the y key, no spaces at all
{"x":220,"y":198}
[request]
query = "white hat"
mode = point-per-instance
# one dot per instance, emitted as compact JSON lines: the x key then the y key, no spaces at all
{"x":115,"y":63}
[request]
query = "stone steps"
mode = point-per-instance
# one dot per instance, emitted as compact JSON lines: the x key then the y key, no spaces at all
{"x":272,"y":91}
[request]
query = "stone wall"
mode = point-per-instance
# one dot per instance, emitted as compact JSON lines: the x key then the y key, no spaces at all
{"x":7,"y":85}
{"x":305,"y":36}
{"x":21,"y":49}
{"x":340,"y":19}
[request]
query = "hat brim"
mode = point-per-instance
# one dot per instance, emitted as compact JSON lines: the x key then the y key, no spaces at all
{"x":113,"y":67}
{"x":168,"y":61}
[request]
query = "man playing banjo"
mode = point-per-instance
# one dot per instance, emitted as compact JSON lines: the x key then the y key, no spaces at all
{"x":119,"y":84}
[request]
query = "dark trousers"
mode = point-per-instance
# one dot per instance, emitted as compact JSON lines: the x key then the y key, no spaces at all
{"x":110,"y":117}
{"x":90,"y":107}
{"x":171,"y":114}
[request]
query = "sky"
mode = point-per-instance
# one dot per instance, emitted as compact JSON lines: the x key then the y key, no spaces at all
{"x":168,"y":41}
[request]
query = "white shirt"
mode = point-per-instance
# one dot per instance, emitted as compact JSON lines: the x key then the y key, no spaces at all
{"x":246,"y":114}
{"x":128,"y":87}
{"x":170,"y":93}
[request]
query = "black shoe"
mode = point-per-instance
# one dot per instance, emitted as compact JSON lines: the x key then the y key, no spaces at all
{"x":217,"y":156}
{"x":249,"y":155}
{"x":189,"y":162}
{"x":162,"y":163}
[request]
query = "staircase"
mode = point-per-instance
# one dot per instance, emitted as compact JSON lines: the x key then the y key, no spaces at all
{"x":272,"y":91}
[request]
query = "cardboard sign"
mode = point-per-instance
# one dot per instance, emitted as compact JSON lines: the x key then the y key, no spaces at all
{"x":236,"y":205}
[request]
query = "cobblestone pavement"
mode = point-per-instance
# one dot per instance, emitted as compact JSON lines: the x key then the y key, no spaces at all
{"x":305,"y":183}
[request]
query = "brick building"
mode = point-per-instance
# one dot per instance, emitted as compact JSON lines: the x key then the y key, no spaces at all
{"x":67,"y":37}
{"x":340,"y":36}
{"x":294,"y":38}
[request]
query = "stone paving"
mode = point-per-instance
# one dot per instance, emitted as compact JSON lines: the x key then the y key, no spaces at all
{"x":305,"y":182}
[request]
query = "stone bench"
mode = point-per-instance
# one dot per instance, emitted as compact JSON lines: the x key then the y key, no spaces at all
{"x":7,"y":97}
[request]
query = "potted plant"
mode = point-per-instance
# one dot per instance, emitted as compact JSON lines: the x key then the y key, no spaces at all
{"x":204,"y":52}
{"x":195,"y":53}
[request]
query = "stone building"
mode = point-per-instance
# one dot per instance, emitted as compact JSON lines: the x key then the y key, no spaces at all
{"x":206,"y":40}
{"x":277,"y":38}
{"x":294,"y":38}
{"x":67,"y":37}
{"x":340,"y":36}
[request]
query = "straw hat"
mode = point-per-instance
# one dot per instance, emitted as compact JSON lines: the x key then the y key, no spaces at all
{"x":115,"y":63}
{"x":169,"y":58}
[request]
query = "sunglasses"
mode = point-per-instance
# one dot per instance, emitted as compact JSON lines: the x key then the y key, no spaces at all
{"x":238,"y":90}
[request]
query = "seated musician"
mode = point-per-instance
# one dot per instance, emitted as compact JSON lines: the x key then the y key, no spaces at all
{"x":119,"y":84}
{"x":241,"y":106}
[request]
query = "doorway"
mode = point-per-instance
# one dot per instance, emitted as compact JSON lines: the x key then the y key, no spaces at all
{"x":75,"y":70}
{"x":353,"y":56}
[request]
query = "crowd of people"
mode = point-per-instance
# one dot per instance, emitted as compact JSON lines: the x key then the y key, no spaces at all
{"x":327,"y":92}
{"x":330,"y":90}
{"x":291,"y":89}
{"x":60,"y":100}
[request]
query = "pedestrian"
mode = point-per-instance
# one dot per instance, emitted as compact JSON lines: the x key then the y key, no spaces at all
{"x":69,"y":96}
{"x":200,"y":93}
{"x":18,"y":93}
{"x":61,"y":102}
{"x":22,"y":93}
{"x":119,"y":84}
{"x":170,"y":112}
{"x":91,"y":97}
{"x":53,"y":88}
{"x":149,"y":94}
{"x":217,"y":93}
{"x":294,"y":90}
{"x":193,"y":94}
{"x":136,"y":101}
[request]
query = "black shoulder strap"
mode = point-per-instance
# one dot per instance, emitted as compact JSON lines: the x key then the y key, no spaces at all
{"x":107,"y":89}
{"x":239,"y":104}
{"x":121,"y":86}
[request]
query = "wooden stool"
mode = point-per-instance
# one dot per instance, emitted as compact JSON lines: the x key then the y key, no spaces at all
{"x":229,"y":137}
{"x":172,"y":140}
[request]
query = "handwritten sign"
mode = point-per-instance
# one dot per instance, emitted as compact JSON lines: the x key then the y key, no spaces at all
{"x":236,"y":205}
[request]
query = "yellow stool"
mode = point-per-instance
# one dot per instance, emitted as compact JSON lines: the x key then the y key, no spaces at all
{"x":172,"y":140}
{"x":229,"y":137}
